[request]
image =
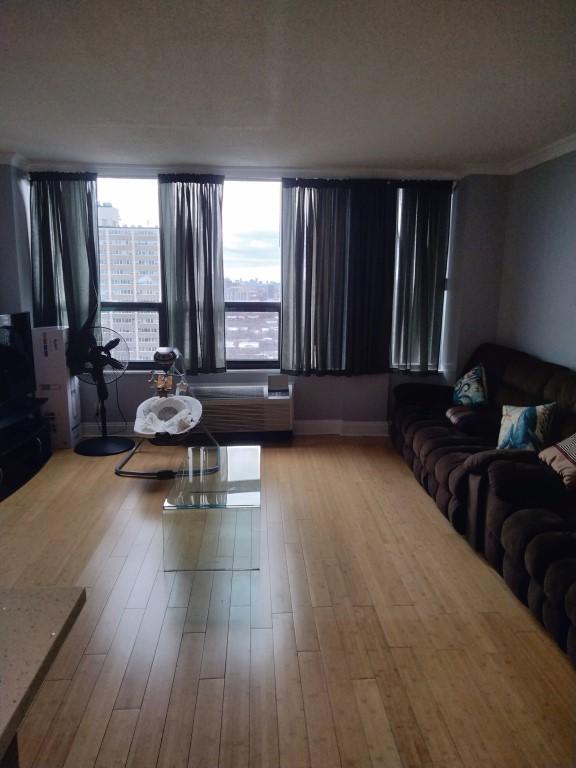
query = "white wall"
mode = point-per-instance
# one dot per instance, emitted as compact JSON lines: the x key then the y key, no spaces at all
{"x":538,"y":296}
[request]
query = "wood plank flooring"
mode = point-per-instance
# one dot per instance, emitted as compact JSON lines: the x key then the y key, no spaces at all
{"x":371,"y":637}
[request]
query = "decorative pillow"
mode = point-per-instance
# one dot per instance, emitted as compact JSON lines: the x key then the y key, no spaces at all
{"x":525,"y":428}
{"x":471,"y":388}
{"x":561,"y":457}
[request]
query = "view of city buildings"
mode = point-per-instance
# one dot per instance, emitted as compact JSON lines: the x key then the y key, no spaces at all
{"x":130,"y":273}
{"x":251,"y":335}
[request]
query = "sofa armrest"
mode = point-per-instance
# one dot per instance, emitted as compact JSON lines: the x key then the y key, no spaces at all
{"x":479,"y":463}
{"x":424,"y":394}
{"x":526,"y":485}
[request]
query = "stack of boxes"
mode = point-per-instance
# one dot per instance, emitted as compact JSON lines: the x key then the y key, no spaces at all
{"x":53,"y":382}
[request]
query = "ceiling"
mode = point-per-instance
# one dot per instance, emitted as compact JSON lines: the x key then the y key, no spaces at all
{"x":400,"y":85}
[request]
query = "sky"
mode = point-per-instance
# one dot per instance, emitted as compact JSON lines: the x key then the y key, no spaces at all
{"x":250,"y":221}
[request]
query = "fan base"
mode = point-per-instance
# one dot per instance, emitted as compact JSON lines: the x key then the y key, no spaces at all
{"x":104,"y":446}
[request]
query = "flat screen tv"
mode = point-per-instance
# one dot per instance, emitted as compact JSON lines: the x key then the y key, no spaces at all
{"x":16,"y":358}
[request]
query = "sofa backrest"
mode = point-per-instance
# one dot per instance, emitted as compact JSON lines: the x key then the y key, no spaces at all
{"x":517,"y":378}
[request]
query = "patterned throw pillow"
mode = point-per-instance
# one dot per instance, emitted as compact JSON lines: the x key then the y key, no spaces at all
{"x":525,"y":428}
{"x":561,"y":457}
{"x":471,"y":389}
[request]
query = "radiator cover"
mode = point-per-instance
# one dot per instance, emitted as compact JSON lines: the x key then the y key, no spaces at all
{"x":240,"y":408}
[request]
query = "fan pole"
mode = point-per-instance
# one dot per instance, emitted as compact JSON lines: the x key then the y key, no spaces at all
{"x":103,"y":424}
{"x":97,"y":359}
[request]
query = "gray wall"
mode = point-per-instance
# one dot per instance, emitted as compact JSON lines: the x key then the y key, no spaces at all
{"x":15,"y":272}
{"x":326,"y":398}
{"x":538,"y":296}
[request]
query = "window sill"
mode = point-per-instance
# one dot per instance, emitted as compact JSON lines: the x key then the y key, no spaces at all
{"x":146,"y":368}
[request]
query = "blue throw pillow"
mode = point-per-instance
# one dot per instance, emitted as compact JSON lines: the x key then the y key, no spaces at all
{"x":525,"y":428}
{"x":471,"y":389}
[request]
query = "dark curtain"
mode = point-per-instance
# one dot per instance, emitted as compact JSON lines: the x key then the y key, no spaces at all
{"x":421,"y":260}
{"x":371,"y":276}
{"x":337,"y":268}
{"x":64,"y":235}
{"x":193,"y":271}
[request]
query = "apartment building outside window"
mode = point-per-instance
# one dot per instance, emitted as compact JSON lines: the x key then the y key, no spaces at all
{"x":131,"y":293}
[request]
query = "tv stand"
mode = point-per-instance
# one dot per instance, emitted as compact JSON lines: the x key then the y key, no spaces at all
{"x":24,"y":442}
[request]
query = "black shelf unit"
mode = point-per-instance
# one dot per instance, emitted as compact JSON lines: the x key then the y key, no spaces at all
{"x":24,"y":442}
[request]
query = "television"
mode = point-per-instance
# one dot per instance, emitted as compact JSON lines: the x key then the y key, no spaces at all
{"x":17,"y":379}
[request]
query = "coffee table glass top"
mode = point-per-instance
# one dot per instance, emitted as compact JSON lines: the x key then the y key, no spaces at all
{"x":226,"y":476}
{"x":211,"y":516}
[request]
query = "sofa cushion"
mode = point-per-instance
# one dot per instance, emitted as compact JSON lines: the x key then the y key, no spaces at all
{"x":526,"y":484}
{"x":427,"y":395}
{"x":424,"y":438}
{"x":483,"y":420}
{"x":570,"y":605}
{"x":479,"y":463}
{"x":521,"y":527}
{"x":412,"y":429}
{"x":527,"y":374}
{"x":547,"y":548}
{"x":559,"y":578}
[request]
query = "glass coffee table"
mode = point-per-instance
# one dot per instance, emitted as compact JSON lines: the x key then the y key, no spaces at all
{"x":211,"y":517}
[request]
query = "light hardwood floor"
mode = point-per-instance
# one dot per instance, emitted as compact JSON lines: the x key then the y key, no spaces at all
{"x":371,"y":636}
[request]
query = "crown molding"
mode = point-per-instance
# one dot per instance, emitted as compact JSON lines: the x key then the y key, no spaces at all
{"x":14,"y":159}
{"x":543,"y":155}
{"x":243,"y":171}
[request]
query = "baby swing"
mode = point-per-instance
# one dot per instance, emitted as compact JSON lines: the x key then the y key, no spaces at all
{"x":167,"y":419}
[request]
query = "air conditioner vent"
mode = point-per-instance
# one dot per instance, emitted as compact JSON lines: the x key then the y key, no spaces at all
{"x":240,"y":408}
{"x":228,"y":391}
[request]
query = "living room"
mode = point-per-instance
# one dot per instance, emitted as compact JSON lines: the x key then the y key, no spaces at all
{"x":333,"y":244}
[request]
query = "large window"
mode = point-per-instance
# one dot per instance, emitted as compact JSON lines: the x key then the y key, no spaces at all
{"x":130,"y":276}
{"x":130,"y":273}
{"x":251,"y":224}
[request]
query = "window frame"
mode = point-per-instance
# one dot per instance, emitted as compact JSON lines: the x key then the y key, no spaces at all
{"x":162,"y":310}
{"x":254,"y":306}
{"x":141,"y":306}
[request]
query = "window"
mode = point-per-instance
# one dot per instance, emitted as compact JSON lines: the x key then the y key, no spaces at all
{"x":251,"y":229}
{"x":131,"y":297}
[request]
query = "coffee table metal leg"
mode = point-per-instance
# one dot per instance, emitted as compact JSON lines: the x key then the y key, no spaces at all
{"x":10,"y":759}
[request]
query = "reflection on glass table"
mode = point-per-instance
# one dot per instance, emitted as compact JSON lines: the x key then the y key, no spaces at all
{"x":211,"y":517}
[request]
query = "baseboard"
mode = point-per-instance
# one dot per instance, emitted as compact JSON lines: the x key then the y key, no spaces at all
{"x":340,"y":427}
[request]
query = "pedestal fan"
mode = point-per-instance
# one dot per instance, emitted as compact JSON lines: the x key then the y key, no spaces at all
{"x":100,"y":360}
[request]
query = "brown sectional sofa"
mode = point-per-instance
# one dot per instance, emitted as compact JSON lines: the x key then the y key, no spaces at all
{"x":513,"y":509}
